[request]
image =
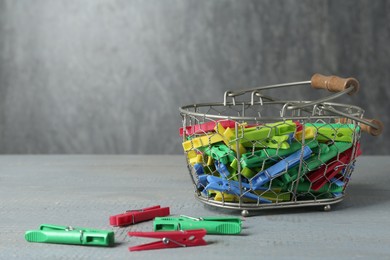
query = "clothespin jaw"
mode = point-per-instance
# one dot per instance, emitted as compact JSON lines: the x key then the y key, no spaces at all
{"x":70,"y":235}
{"x":170,"y":239}
{"x":213,"y":225}
{"x":135,"y":216}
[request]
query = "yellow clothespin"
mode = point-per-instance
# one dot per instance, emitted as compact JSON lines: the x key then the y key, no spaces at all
{"x":202,"y":141}
{"x":271,"y":195}
{"x":310,"y":132}
{"x":228,"y":138}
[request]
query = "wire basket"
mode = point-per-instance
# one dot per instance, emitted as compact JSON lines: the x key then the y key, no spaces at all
{"x":253,"y":152}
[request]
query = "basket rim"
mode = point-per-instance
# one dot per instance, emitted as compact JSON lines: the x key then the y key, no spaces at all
{"x":184,"y":110}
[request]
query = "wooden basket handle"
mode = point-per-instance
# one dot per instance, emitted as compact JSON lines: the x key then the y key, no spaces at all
{"x":334,"y":83}
{"x":367,"y":128}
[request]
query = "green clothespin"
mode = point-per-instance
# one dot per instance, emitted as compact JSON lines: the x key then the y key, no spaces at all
{"x":256,"y":158}
{"x":213,"y":225}
{"x":321,"y":149}
{"x":221,"y":152}
{"x":70,"y":235}
{"x":336,"y":132}
{"x":325,"y":154}
{"x":268,"y":130}
{"x":276,"y":142}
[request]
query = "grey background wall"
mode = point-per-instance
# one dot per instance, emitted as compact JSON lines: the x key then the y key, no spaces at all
{"x":99,"y":76}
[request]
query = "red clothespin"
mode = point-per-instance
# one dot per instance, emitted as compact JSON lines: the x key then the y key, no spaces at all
{"x":299,"y":126}
{"x":324,"y":174}
{"x":134,"y":216}
{"x":171,"y":239}
{"x":206,"y":127}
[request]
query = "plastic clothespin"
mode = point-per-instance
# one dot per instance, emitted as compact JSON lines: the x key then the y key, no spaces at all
{"x":290,"y":139}
{"x":221,"y":153}
{"x":232,"y":187}
{"x":247,"y":173}
{"x":275,"y":142}
{"x":268,"y":130}
{"x":213,"y":225}
{"x":299,"y":126}
{"x":326,"y":172}
{"x":206,"y":127}
{"x":201,"y":175}
{"x":170,"y":239}
{"x":222,"y":169}
{"x":270,"y":195}
{"x":255,"y":159}
{"x":201,"y":141}
{"x":134,"y":216}
{"x":202,"y":181}
{"x":279,"y":168}
{"x":198,"y":168}
{"x":310,"y":133}
{"x":337,"y":182}
{"x":194,"y":157}
{"x":229,"y":136}
{"x":70,"y":235}
{"x":314,"y":162}
{"x":336,"y":132}
{"x":337,"y":194}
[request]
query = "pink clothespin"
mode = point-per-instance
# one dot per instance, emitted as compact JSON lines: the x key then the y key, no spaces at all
{"x":206,"y":127}
{"x":134,"y":216}
{"x":170,"y":239}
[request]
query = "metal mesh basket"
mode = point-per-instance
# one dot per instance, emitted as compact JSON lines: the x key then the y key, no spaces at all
{"x":253,"y":152}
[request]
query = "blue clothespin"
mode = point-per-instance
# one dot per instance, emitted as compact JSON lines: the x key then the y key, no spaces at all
{"x":202,"y":182}
{"x":351,"y":167}
{"x":337,"y":182}
{"x":279,"y":168}
{"x":291,"y":138}
{"x":232,"y":187}
{"x":337,"y":194}
{"x":222,"y":169}
{"x":199,"y":170}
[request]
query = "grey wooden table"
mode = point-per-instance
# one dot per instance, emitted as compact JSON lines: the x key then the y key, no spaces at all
{"x":85,"y":190}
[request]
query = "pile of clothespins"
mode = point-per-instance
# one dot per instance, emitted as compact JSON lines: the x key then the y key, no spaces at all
{"x":270,"y":163}
{"x":182,"y":231}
